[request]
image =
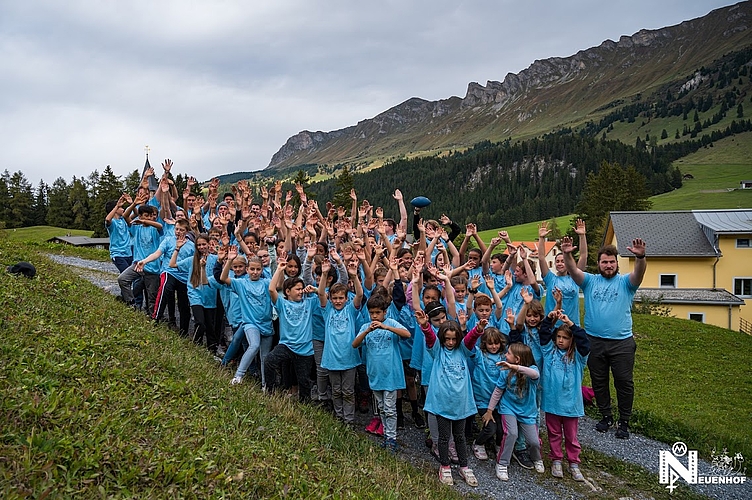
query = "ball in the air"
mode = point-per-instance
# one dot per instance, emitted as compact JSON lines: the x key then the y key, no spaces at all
{"x":420,"y":202}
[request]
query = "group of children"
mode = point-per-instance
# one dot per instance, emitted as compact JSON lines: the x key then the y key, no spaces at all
{"x":348,"y":302}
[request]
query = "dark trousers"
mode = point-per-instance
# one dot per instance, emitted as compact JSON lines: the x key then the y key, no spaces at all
{"x":491,"y":430}
{"x":169,"y":288}
{"x":301,"y":365}
{"x":203,"y":320}
{"x":618,"y":356}
{"x":447,"y":429}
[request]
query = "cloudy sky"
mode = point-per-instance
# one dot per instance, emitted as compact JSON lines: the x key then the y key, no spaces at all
{"x":219,"y":86}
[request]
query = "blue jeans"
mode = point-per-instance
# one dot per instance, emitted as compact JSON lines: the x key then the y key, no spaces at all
{"x":253,"y":337}
{"x":386,"y":401}
{"x":237,"y":346}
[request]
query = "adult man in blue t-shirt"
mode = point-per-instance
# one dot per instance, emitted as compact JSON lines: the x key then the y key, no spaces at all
{"x":608,"y":323}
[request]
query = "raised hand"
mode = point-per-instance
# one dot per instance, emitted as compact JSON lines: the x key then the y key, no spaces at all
{"x":637,"y":248}
{"x":353,"y":195}
{"x":526,"y":296}
{"x":558,"y":296}
{"x":510,"y":317}
{"x":579,"y":227}
{"x":167,"y":165}
{"x":232,"y":252}
{"x":445,"y":220}
{"x":489,"y":280}
{"x":462,"y":318}
{"x":325,"y":266}
{"x":475,"y":282}
{"x":566,"y":245}
{"x":397,"y":194}
{"x":543,"y":230}
{"x":421,"y":317}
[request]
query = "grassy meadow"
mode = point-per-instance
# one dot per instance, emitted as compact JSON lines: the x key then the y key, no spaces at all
{"x":96,"y":402}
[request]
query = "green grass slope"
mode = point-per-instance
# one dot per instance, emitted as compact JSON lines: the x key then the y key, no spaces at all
{"x":40,"y":234}
{"x":96,"y":402}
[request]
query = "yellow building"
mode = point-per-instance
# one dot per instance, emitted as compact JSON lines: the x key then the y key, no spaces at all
{"x":699,"y":261}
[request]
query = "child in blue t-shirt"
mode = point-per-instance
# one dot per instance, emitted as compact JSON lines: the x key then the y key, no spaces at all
{"x":564,"y":357}
{"x":515,"y":390}
{"x":493,"y":345}
{"x":451,"y":395}
{"x":380,"y":339}
{"x":295,"y":346}
{"x":339,"y":358}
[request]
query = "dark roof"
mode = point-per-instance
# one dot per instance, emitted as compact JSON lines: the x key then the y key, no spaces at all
{"x":726,"y":221}
{"x":690,"y":296}
{"x":80,"y":241}
{"x":666,"y":234}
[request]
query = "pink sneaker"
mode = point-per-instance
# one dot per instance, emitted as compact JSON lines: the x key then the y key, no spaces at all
{"x":373,"y":425}
{"x":380,"y":429}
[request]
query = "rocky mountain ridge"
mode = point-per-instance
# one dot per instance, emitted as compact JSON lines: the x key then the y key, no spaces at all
{"x":550,"y":93}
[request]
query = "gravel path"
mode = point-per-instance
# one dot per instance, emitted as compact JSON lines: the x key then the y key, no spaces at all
{"x":522,"y":483}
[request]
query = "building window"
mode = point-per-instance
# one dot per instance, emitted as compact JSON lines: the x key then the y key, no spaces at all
{"x":699,"y":317}
{"x":667,"y":281}
{"x":743,"y":287}
{"x":743,"y":243}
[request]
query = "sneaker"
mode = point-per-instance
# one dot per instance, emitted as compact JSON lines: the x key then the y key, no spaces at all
{"x":400,"y":421}
{"x":605,"y":424}
{"x":622,"y":432}
{"x":522,"y":458}
{"x":539,"y":467}
{"x":576,"y":473}
{"x":391,"y":445}
{"x":418,"y":420}
{"x":480,"y":452}
{"x":501,"y":472}
{"x":453,"y":457}
{"x":468,"y":475}
{"x":445,"y":475}
{"x":380,"y":429}
{"x":236,"y":380}
{"x":556,"y":469}
{"x":373,"y":425}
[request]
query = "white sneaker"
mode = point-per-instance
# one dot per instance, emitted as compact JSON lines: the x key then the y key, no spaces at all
{"x":445,"y":475}
{"x":480,"y":452}
{"x":576,"y":473}
{"x":539,"y":468}
{"x":236,"y":380}
{"x":501,"y":472}
{"x":469,"y":477}
{"x":556,"y":469}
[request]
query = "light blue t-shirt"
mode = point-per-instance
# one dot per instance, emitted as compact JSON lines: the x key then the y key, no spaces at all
{"x":514,"y":300}
{"x":562,"y":392}
{"x":146,"y":240}
{"x":523,"y":407}
{"x":203,"y":295}
{"x":255,"y":302}
{"x":608,"y":306}
{"x":383,"y":358}
{"x":450,"y":392}
{"x":167,"y":246}
{"x":570,"y":302}
{"x":120,"y":238}
{"x":230,"y":299}
{"x":485,"y":375}
{"x":296,"y":323}
{"x":340,"y":333}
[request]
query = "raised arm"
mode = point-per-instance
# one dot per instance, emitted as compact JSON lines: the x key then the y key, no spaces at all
{"x":402,"y":209}
{"x":276,"y":280}
{"x":543,"y":231}
{"x":638,"y":249}
{"x":575,"y":272}
{"x":321,"y":291}
{"x":579,"y":228}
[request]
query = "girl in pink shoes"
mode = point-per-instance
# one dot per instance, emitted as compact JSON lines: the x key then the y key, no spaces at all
{"x":450,"y":396}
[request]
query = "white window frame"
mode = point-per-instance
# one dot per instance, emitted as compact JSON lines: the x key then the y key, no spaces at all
{"x":749,"y":243}
{"x":701,"y":314}
{"x":676,"y":281}
{"x":733,"y":286}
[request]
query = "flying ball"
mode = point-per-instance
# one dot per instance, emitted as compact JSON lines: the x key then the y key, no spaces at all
{"x":420,"y":202}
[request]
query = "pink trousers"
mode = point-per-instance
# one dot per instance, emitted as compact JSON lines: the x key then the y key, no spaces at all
{"x":559,"y":426}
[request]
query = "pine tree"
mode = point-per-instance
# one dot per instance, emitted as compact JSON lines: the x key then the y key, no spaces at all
{"x":343,"y":186}
{"x":109,"y":188}
{"x":39,"y":210}
{"x":58,"y":208}
{"x":21,"y":201}
{"x":78,"y":198}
